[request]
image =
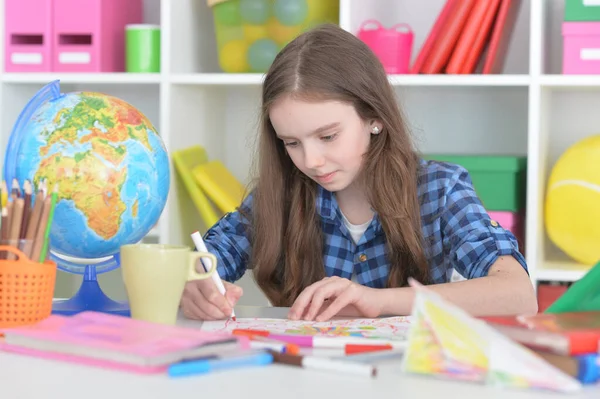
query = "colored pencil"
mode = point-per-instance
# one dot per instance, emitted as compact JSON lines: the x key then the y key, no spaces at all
{"x":46,"y":238}
{"x":27,"y":219}
{"x":34,"y":221}
{"x":15,"y":225}
{"x":27,"y":191}
{"x":4,"y":230}
{"x":16,"y":189}
{"x":4,"y":194}
{"x":41,"y":230}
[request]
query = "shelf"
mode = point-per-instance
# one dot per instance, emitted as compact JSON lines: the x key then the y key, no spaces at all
{"x":395,"y":80}
{"x":460,"y":80}
{"x":560,"y":271}
{"x":223,"y":79}
{"x":89,"y":78}
{"x":570,"y":81}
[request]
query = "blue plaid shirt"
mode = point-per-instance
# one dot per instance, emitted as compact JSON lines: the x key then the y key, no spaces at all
{"x":458,"y":234}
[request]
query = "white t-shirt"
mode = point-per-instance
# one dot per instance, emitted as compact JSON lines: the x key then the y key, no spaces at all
{"x":356,"y":231}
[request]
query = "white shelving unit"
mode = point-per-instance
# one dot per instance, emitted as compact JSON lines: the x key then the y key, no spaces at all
{"x":530,"y":109}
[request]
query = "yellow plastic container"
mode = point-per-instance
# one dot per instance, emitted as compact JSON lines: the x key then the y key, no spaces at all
{"x":250,"y":33}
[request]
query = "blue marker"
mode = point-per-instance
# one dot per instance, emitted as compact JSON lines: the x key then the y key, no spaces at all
{"x":192,"y":367}
{"x":589,"y":368}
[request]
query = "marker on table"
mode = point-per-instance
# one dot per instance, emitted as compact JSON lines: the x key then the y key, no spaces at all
{"x":315,"y":341}
{"x":260,"y":342}
{"x":325,"y":364}
{"x":207,"y":264}
{"x":209,"y":364}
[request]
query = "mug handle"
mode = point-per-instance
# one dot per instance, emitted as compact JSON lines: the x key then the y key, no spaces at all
{"x":197,"y":256}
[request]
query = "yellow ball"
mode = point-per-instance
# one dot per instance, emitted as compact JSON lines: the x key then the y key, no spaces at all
{"x":572,"y":204}
{"x":253,"y":33}
{"x":280,"y":33}
{"x":233,"y":57}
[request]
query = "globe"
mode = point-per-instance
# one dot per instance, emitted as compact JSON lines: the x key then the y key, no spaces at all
{"x":109,"y":165}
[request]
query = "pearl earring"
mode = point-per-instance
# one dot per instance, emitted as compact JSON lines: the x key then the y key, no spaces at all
{"x":375,"y":130}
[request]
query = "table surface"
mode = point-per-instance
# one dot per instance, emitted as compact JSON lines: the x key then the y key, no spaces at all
{"x":24,"y":377}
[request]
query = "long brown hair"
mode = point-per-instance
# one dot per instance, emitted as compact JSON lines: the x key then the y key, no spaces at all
{"x":328,"y":63}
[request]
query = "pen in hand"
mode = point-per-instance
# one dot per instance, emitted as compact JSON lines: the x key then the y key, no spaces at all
{"x":206,"y":263}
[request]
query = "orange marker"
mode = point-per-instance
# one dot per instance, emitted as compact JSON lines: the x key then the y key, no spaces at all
{"x":291,"y":349}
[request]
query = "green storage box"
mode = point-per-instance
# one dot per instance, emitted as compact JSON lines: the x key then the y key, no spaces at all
{"x":500,"y":181}
{"x":582,"y":10}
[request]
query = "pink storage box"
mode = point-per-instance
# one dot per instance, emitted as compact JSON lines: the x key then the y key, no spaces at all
{"x":513,"y":222}
{"x":27,"y":35}
{"x":392,"y":46}
{"x":89,"y":35}
{"x":581,"y":48}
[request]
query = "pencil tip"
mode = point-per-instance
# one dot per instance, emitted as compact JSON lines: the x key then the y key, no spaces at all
{"x":233,"y":318}
{"x":27,"y":187}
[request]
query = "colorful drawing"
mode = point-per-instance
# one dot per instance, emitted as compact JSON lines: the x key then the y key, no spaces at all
{"x":395,"y":328}
{"x":445,"y":341}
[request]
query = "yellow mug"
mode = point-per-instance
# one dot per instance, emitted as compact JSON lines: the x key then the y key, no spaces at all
{"x":155,"y":275}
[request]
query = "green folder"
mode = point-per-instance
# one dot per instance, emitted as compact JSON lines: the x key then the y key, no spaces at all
{"x":582,"y":296}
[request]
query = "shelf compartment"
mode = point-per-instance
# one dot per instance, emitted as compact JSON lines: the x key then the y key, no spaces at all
{"x":421,"y":16}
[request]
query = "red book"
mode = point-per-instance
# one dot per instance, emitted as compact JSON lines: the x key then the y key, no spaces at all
{"x":569,"y":334}
{"x":467,"y":37}
{"x":447,"y":38}
{"x":433,"y":36}
{"x":501,"y":34}
{"x":481,"y":38}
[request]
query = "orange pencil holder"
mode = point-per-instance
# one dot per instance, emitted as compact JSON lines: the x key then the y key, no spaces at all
{"x":26,"y":289}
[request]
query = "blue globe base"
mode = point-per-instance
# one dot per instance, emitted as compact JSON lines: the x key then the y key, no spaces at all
{"x":90,"y":297}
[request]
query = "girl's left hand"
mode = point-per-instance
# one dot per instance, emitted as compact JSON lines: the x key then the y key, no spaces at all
{"x":326,"y":298}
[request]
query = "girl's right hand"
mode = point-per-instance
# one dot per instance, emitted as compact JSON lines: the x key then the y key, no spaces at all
{"x":202,"y":300}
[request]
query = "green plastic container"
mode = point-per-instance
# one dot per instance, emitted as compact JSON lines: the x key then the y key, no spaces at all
{"x":500,"y":181}
{"x":142,"y":48}
{"x":582,"y":10}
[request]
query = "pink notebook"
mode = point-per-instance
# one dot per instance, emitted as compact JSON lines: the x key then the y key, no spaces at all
{"x":120,"y":339}
{"x":82,"y":360}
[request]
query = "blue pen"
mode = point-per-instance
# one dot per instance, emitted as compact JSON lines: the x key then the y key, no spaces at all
{"x":192,"y":367}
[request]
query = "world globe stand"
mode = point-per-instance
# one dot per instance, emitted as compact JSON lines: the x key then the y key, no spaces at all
{"x":90,"y":297}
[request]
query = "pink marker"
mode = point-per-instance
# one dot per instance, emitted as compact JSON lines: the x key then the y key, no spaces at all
{"x":315,"y":341}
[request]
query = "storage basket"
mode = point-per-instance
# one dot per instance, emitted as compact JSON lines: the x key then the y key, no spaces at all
{"x":26,"y":289}
{"x":250,"y":33}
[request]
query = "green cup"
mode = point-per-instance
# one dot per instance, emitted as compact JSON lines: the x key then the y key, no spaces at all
{"x":142,"y":48}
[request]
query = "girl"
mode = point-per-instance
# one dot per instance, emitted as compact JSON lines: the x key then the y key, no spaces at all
{"x":344,"y":211}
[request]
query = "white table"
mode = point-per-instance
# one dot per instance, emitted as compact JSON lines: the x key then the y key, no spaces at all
{"x":25,"y":377}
